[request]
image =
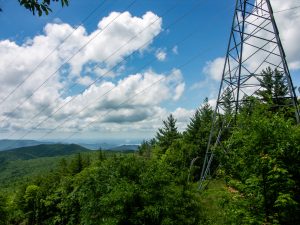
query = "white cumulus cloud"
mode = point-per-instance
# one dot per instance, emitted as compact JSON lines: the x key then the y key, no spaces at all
{"x":88,"y":56}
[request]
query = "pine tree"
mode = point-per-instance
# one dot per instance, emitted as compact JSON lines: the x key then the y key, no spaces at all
{"x":196,"y":136}
{"x":167,"y":134}
{"x":273,"y":86}
{"x":228,"y":102}
{"x":101,"y":155}
{"x":145,"y":149}
{"x":198,"y":129}
{"x":63,"y":167}
{"x":3,"y":211}
{"x":76,"y":164}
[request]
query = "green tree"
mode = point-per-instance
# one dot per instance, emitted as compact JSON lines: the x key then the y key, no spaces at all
{"x":165,"y":201}
{"x":197,"y":134}
{"x":264,"y":158}
{"x":32,"y":204}
{"x":199,"y":126}
{"x":145,"y":148}
{"x":228,"y":104}
{"x":167,"y":134}
{"x":77,"y":164}
{"x":125,"y":189}
{"x":134,"y":190}
{"x":41,"y":6}
{"x":101,"y":155}
{"x":274,"y":87}
{"x":3,"y":210}
{"x":63,"y":167}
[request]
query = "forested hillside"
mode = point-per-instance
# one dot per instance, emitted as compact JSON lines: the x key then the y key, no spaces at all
{"x":255,"y":181}
{"x":17,"y":165}
{"x":44,"y":150}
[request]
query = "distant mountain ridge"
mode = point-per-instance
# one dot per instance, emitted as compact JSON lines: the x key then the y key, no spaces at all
{"x":6,"y":144}
{"x":97,"y":146}
{"x":113,"y":147}
{"x":125,"y":148}
{"x":38,"y":151}
{"x":17,"y":164}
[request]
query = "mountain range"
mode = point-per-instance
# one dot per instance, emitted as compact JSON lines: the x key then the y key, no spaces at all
{"x":6,"y":144}
{"x":38,"y":151}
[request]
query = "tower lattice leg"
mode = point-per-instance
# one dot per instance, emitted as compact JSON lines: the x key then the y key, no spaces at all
{"x":254,"y":45}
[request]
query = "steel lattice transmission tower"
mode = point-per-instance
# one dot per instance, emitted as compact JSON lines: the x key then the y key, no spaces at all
{"x":254,"y":45}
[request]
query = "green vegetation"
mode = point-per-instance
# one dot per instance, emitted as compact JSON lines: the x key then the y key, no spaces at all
{"x":21,"y":164}
{"x":222,"y":204}
{"x":41,"y":6}
{"x":264,"y":164}
{"x":258,"y":181}
{"x":120,"y":189}
{"x":33,"y":152}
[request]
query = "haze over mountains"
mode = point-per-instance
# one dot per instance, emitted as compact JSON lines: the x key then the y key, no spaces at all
{"x":6,"y":144}
{"x":20,"y":159}
{"x":18,"y":164}
{"x":42,"y":150}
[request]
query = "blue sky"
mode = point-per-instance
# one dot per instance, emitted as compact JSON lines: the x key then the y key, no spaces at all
{"x":183,"y":29}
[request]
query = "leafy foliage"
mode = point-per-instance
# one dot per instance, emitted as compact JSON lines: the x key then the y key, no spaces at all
{"x":124,"y":189}
{"x":21,"y":164}
{"x":222,"y":204}
{"x":146,"y":147}
{"x":264,"y":158}
{"x":3,"y":210}
{"x":41,"y":6}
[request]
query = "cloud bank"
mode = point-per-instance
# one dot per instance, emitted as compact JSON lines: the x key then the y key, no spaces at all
{"x":118,"y":105}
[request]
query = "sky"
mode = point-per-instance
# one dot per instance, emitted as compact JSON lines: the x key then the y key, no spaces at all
{"x":113,"y":70}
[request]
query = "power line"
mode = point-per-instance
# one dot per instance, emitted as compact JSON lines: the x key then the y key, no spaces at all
{"x":53,"y":50}
{"x":61,"y":124}
{"x":141,"y":47}
{"x":136,"y":94}
{"x":110,"y":90}
{"x":88,"y":105}
{"x":93,"y":82}
{"x":116,"y":51}
{"x":60,"y":67}
{"x":288,"y":9}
